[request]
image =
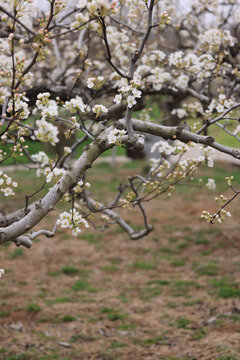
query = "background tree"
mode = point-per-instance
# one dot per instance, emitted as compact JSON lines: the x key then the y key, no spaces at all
{"x":76,"y":75}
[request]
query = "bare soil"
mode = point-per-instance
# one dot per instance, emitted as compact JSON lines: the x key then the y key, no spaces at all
{"x":174,"y":294}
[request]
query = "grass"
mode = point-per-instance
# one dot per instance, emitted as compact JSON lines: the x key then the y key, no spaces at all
{"x":182,"y":287}
{"x":16,"y":253}
{"x":81,"y":285}
{"x":198,"y":334}
{"x":226,"y":287}
{"x":150,"y":292}
{"x":129,"y":297}
{"x":182,"y":323}
{"x":33,"y":308}
{"x":143,"y":265}
{"x":60,"y":300}
{"x":153,"y":341}
{"x":113,"y":314}
{"x":4,"y":313}
{"x":69,"y":270}
{"x":178,"y":262}
{"x":209,"y":269}
{"x":68,"y":318}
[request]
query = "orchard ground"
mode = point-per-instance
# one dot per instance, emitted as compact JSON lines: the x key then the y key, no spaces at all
{"x":172,"y":295}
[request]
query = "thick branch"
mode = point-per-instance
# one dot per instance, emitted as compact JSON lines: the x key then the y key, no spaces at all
{"x":177,"y":132}
{"x":44,"y":206}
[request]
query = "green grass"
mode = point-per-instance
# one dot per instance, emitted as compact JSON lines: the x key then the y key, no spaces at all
{"x":182,"y":323}
{"x":81,"y":285}
{"x":158,"y":282}
{"x":178,"y":263}
{"x":153,"y":341}
{"x":16,"y":253}
{"x":4,"y":313}
{"x":198,"y":334}
{"x":143,"y":265}
{"x":113,"y":314}
{"x":226,"y":287}
{"x":210,"y":269}
{"x":33,"y":308}
{"x":22,"y":356}
{"x":150,"y":292}
{"x":228,"y":292}
{"x":127,"y":327}
{"x":68,"y":318}
{"x":182,"y":287}
{"x":60,"y":300}
{"x":201,"y":241}
{"x":69,"y":270}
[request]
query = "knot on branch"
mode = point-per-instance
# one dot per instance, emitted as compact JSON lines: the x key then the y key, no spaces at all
{"x":2,"y":237}
{"x":209,"y":139}
{"x":178,"y":132}
{"x":137,"y":142}
{"x":236,"y":154}
{"x":135,"y":56}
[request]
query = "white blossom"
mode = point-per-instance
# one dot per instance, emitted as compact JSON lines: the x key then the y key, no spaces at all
{"x":176,"y":58}
{"x":47,"y":107}
{"x":46,"y":132}
{"x":41,"y":157}
{"x":163,"y":147}
{"x":7,"y":191}
{"x":214,"y":38}
{"x":211,"y":184}
{"x":206,"y":153}
{"x":67,"y":150}
{"x":81,"y":3}
{"x":118,"y":98}
{"x":131,"y":101}
{"x":114,"y":135}
{"x":1,"y":273}
{"x":55,"y":175}
{"x":181,"y":113}
{"x":72,"y":219}
{"x":98,"y":109}
{"x":182,"y":81}
{"x":20,"y":105}
{"x":76,"y":104}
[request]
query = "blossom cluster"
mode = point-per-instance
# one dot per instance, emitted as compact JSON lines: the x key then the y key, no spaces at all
{"x":72,"y":220}
{"x":46,"y":132}
{"x":218,"y":217}
{"x":20,"y":105}
{"x":131,"y":92}
{"x":95,"y":82}
{"x":47,"y":107}
{"x":54,"y":175}
{"x":41,"y":157}
{"x":213,"y":39}
{"x":7,"y":184}
{"x":114,"y":137}
{"x":163,"y":147}
{"x":206,"y":154}
{"x":76,"y":104}
{"x":99,"y":109}
{"x":80,"y":187}
{"x":211,"y":184}
{"x":220,"y":105}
